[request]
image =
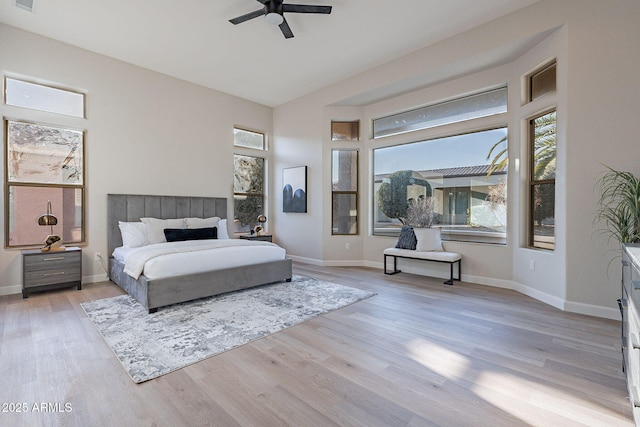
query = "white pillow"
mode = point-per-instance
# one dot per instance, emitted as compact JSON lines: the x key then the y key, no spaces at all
{"x":202,"y":222}
{"x":155,"y":227}
{"x":428,"y":239}
{"x":134,"y":234}
{"x":222,"y":229}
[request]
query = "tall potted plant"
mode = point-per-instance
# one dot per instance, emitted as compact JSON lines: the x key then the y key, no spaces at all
{"x":619,"y":205}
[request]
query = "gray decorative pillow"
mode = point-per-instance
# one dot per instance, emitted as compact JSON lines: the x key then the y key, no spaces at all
{"x":407,"y":238}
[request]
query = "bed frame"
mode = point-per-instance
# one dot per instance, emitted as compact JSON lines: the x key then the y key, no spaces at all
{"x":156,"y":293}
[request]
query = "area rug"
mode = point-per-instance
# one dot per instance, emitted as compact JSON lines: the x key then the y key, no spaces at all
{"x":151,"y":345}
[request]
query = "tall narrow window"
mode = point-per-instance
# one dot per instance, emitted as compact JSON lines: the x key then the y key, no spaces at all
{"x":248,"y":180}
{"x":248,"y":191}
{"x":44,"y":164}
{"x":344,"y":200}
{"x":542,"y":181}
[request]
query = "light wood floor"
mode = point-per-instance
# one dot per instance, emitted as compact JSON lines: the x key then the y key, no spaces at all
{"x":418,"y":353}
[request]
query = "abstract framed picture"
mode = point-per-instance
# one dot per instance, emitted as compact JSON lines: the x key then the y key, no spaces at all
{"x":294,"y":189}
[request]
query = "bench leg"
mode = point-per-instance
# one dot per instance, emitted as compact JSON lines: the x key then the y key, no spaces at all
{"x":450,"y":281}
{"x":451,"y":278}
{"x":395,"y":265}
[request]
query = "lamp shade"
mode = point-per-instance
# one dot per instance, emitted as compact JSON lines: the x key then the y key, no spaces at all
{"x":49,"y":218}
{"x":262,"y":219}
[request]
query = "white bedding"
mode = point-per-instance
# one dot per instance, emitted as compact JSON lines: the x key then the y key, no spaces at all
{"x":194,"y":256}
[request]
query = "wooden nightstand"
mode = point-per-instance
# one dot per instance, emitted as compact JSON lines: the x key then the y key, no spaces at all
{"x":264,"y":237}
{"x":51,"y":270}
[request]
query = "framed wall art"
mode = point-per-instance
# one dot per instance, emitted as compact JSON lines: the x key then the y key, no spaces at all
{"x":294,"y":189}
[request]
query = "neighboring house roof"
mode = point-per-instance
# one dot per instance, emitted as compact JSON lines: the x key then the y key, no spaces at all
{"x":457,"y":172}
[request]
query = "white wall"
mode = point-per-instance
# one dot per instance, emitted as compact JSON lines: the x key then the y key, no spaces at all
{"x":299,"y":143}
{"x":146,"y":133}
{"x":597,"y":100}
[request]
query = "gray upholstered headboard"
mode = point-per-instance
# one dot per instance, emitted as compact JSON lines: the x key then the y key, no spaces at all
{"x":132,"y":207}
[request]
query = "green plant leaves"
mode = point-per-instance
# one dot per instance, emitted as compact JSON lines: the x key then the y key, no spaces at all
{"x":619,"y":205}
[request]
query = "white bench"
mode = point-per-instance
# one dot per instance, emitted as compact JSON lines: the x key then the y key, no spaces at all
{"x":450,"y":258}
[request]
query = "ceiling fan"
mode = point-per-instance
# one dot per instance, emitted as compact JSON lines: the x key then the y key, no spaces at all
{"x":274,"y":10}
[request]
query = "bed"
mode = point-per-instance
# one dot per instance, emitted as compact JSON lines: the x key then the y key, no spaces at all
{"x":159,"y":291}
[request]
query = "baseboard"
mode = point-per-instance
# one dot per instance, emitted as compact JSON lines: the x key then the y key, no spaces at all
{"x":306,"y":260}
{"x":593,"y":310}
{"x":564,"y":305}
{"x":95,"y":278}
{"x":329,"y":263}
{"x":11,"y":290}
{"x":344,"y":263}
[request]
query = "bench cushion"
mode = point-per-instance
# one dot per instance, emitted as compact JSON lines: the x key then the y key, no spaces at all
{"x":434,"y":256}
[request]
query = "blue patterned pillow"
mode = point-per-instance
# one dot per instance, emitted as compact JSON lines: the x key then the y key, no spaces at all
{"x":407,"y":238}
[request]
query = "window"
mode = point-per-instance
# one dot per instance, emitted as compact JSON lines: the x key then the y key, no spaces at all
{"x":345,"y":131}
{"x":542,"y":81}
{"x":248,"y":139}
{"x":542,"y":181}
{"x":464,"y":175}
{"x":344,"y":192}
{"x":248,"y":191}
{"x":44,"y":98}
{"x":457,"y":110}
{"x":44,"y":164}
{"x":248,"y":180}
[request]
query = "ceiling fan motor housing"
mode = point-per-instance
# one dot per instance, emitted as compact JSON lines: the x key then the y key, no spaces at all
{"x":273,"y":6}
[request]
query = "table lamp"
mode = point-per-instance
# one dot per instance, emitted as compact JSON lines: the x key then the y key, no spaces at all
{"x":53,"y":241}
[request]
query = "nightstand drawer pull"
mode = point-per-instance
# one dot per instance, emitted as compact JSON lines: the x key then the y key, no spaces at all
{"x":57,"y":258}
{"x":59,"y":273}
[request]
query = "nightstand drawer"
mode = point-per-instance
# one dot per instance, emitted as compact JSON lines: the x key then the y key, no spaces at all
{"x":51,"y":270}
{"x":54,"y":260}
{"x":49,"y":277}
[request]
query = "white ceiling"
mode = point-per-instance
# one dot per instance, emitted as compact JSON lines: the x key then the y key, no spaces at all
{"x":193,"y":40}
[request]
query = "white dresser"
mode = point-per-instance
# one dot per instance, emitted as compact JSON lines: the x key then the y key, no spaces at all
{"x":630,"y":309}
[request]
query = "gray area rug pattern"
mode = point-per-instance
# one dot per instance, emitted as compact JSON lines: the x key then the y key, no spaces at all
{"x":151,"y":345}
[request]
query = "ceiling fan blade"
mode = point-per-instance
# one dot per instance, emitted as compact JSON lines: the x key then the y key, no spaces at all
{"x":243,"y":18}
{"x":302,"y":8}
{"x":262,"y":1}
{"x":286,"y":30}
